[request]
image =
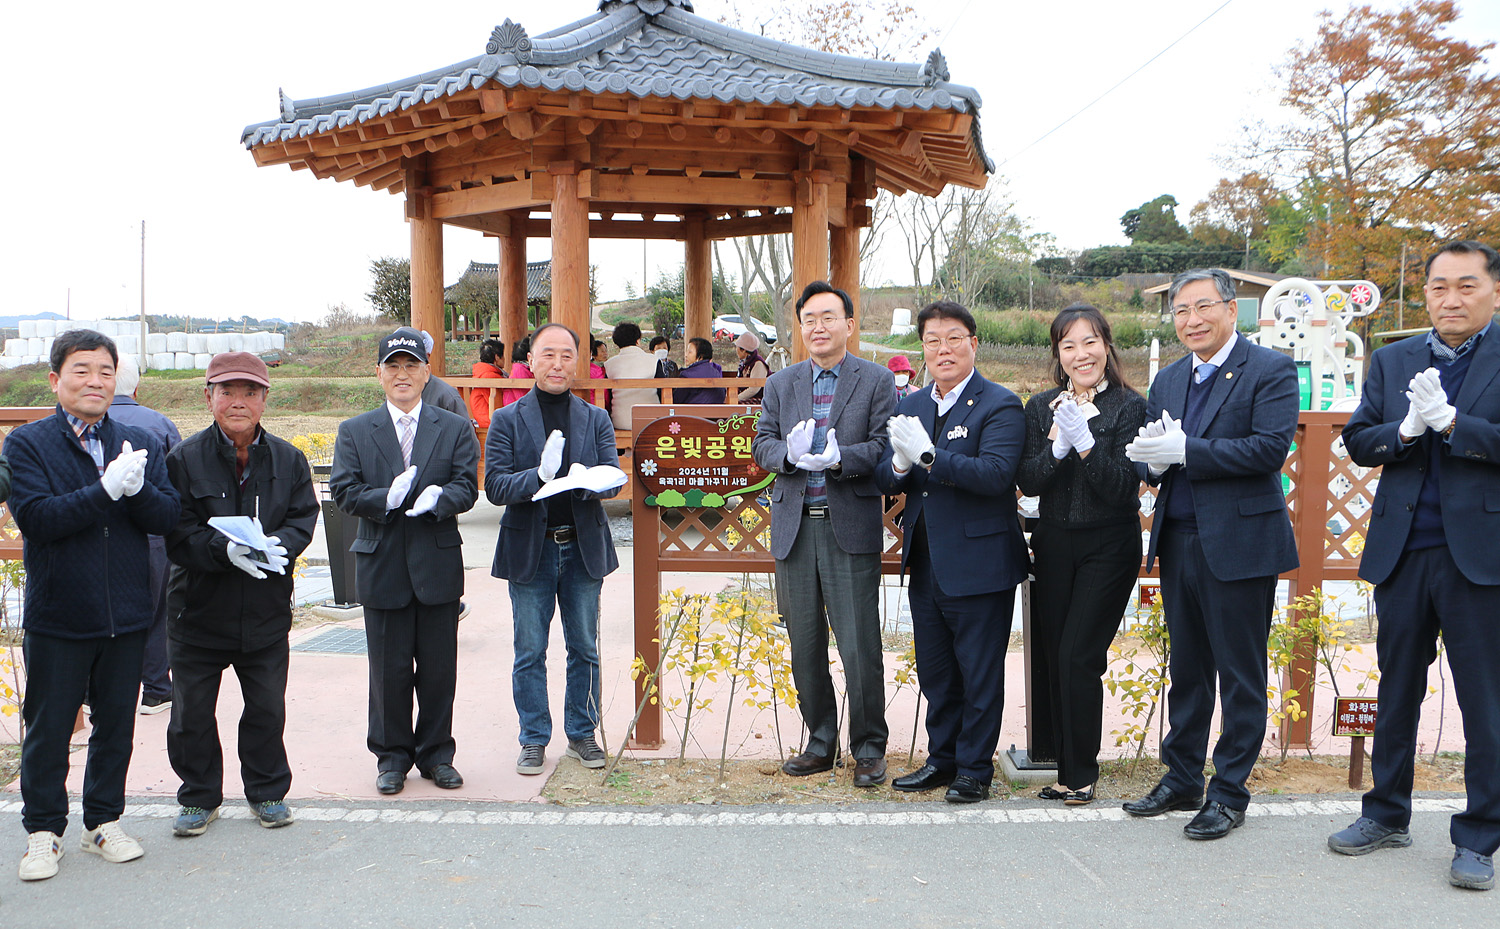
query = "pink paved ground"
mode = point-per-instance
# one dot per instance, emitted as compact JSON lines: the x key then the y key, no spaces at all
{"x":326,"y":712}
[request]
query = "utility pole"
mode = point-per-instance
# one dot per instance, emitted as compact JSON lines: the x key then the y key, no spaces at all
{"x":1401,"y":292}
{"x":143,"y":297}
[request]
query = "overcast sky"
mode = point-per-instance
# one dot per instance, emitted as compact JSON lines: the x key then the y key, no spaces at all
{"x":124,"y":112}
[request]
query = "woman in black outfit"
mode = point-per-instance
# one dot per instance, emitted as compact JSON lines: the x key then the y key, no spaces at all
{"x":1087,"y":542}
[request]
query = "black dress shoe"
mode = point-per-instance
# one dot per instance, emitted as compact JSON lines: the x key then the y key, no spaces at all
{"x":390,"y":782}
{"x":965,"y":789}
{"x":869,"y":771}
{"x":1160,"y":800}
{"x":807,"y":763}
{"x":924,"y":778}
{"x":1214,"y":821}
{"x":444,"y":776}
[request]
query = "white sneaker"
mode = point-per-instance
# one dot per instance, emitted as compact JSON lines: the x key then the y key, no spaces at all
{"x":111,"y":843}
{"x":43,"y":849}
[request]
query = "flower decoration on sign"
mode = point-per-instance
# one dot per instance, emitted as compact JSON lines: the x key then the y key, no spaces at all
{"x":648,"y":466}
{"x":674,"y":427}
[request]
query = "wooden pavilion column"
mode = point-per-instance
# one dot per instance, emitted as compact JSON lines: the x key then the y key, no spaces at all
{"x":843,"y":249}
{"x":809,"y":244}
{"x":698,"y":280}
{"x":570,"y":250}
{"x":513,"y":323}
{"x":427,"y":285}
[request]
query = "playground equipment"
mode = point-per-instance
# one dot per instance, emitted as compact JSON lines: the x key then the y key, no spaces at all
{"x":1311,"y":321}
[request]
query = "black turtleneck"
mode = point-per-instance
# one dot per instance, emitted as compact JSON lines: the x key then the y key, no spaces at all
{"x":555,"y":417}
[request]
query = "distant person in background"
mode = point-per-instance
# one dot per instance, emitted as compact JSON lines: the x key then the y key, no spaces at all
{"x":598,"y":355}
{"x":631,"y":361}
{"x":491,"y":356}
{"x":156,"y":676}
{"x":747,"y":347}
{"x":438,"y":392}
{"x":518,"y":368}
{"x":901,"y":370}
{"x":661,"y":347}
{"x":699,"y":356}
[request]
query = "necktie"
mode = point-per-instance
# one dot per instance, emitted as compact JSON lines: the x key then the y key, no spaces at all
{"x":408,"y":436}
{"x":1206,"y":371}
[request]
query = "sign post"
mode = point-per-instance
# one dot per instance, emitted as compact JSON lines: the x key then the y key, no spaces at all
{"x":1355,"y":717}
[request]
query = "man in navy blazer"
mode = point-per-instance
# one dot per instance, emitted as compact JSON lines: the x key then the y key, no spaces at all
{"x":407,"y":470}
{"x":1429,"y":416}
{"x":1227,"y":414}
{"x":554,"y":552}
{"x":954,"y":452}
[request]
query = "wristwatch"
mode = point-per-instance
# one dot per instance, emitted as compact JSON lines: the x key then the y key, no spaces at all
{"x":927,"y":458}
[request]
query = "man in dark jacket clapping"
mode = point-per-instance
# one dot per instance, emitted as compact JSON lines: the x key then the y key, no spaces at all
{"x":227,"y":607}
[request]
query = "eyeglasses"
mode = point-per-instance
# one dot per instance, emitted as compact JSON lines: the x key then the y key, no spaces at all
{"x":953,"y":341}
{"x":1181,"y":310}
{"x":827,"y":320}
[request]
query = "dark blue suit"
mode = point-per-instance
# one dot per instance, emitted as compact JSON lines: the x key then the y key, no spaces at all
{"x":969,"y":556}
{"x":1219,"y":580}
{"x":1453,"y":588}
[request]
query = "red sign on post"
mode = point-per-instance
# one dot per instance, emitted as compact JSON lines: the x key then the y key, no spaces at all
{"x":1354,"y":716}
{"x":693,"y":461}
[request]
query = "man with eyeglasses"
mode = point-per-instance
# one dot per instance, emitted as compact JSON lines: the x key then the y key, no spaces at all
{"x":407,"y":470}
{"x":954,"y":452}
{"x":1429,"y":417}
{"x":822,"y":431}
{"x":1219,"y":425}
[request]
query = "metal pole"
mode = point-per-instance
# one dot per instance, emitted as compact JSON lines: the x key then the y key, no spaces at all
{"x":1401,"y":291}
{"x":143,"y":297}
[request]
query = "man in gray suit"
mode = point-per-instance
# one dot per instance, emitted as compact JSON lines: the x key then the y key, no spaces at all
{"x":822,"y":432}
{"x":407,"y":470}
{"x":553,"y":552}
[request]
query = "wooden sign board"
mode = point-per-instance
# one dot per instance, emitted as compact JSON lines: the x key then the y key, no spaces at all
{"x":1354,"y":716}
{"x":684,"y":460}
{"x":1149,"y":594}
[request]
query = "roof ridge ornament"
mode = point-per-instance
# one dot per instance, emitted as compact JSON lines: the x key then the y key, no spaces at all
{"x":649,"y":7}
{"x":288,"y":108}
{"x":935,"y":71}
{"x":510,"y":38}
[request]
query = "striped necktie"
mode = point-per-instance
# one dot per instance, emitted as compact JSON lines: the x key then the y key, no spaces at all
{"x":408,"y":436}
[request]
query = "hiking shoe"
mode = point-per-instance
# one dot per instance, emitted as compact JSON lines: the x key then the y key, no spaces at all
{"x":150,"y":706}
{"x":1470,"y":869}
{"x":273,"y":814}
{"x":1365,"y":835}
{"x":110,"y":842}
{"x":43,"y":849}
{"x":587,"y":751}
{"x":533,"y":759}
{"x":193,"y":820}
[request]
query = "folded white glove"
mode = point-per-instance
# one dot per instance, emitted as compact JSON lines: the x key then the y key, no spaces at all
{"x":1074,"y":425}
{"x":799,"y":440}
{"x":552,"y":454}
{"x":400,"y":487}
{"x":897,"y":429}
{"x":827,"y":458}
{"x":426,"y":500}
{"x":239,"y":556}
{"x":1431,"y":400}
{"x":121,"y":473}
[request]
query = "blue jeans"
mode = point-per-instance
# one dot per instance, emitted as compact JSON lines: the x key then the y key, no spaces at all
{"x":561,"y":578}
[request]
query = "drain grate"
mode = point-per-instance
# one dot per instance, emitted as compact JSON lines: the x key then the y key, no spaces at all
{"x":338,"y":641}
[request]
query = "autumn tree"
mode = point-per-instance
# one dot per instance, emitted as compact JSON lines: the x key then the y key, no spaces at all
{"x":390,"y":288}
{"x":1154,"y":222}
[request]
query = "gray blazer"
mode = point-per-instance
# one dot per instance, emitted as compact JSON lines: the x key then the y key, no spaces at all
{"x":512,"y":451}
{"x":862,"y":403}
{"x":398,"y":556}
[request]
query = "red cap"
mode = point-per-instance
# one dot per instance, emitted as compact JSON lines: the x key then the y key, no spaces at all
{"x":898,"y":363}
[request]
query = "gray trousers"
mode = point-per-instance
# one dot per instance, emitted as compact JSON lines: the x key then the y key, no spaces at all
{"x":819,"y":585}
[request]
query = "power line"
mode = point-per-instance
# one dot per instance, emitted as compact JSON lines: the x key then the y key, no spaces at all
{"x":962,"y":10}
{"x":1116,"y":86}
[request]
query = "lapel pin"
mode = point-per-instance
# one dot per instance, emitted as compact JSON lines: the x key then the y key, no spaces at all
{"x":1228,"y":375}
{"x":971,"y":403}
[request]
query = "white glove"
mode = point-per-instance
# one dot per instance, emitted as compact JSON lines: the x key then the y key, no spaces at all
{"x":400,"y":487}
{"x":1161,"y":452}
{"x":276,"y":554}
{"x":1071,"y":423}
{"x":919,"y":443}
{"x":799,"y":440}
{"x":900,"y":460}
{"x":426,"y":500}
{"x":239,"y":556}
{"x":552,"y":454}
{"x":129,"y":467}
{"x":825,"y":459}
{"x":1431,"y":400}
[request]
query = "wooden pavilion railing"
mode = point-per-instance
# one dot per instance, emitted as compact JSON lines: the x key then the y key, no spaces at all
{"x":10,"y":418}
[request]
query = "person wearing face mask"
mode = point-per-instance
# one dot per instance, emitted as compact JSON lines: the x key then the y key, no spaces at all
{"x":1088,"y":539}
{"x":901,"y":370}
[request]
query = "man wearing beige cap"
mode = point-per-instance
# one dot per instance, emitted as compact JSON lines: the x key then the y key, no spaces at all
{"x":229,"y":603}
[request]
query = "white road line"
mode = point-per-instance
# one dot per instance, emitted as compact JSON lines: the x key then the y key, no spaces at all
{"x":528,"y":815}
{"x":1080,"y":866}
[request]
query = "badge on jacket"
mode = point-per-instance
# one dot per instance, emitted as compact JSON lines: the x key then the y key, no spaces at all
{"x":958,"y":432}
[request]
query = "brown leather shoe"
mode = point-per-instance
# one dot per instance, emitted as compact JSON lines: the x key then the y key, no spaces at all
{"x":807,"y":763}
{"x":869,"y":771}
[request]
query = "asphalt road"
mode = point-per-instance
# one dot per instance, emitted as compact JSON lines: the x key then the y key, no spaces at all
{"x":996,"y":864}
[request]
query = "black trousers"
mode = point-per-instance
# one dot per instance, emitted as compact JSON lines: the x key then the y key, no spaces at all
{"x":1219,"y":630}
{"x":1425,"y":595}
{"x":1083,"y":582}
{"x":59,"y":674}
{"x":156,"y":679}
{"x":960,"y":644}
{"x":193,"y":744}
{"x":413,"y":650}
